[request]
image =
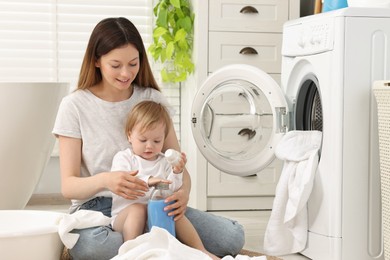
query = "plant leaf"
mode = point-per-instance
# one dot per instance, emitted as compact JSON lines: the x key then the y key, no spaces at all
{"x":159,"y":31}
{"x":167,"y":38}
{"x":181,"y":77}
{"x":188,"y":65}
{"x":175,"y":3}
{"x":180,"y":35}
{"x":162,"y":19}
{"x":152,"y":50}
{"x":180,"y":13}
{"x":164,"y":75}
{"x":171,"y":21}
{"x":185,"y":23}
{"x":183,"y":44}
{"x":185,"y":4}
{"x":169,"y":51}
{"x":156,"y":51}
{"x":163,"y":55}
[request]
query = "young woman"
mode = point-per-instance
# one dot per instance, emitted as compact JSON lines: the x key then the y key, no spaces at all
{"x":115,"y":75}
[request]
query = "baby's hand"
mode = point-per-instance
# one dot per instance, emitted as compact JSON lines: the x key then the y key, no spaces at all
{"x":179,"y":167}
{"x":153,"y":181}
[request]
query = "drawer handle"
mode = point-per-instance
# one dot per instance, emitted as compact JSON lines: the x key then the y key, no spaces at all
{"x":248,"y":51}
{"x":249,"y":10}
{"x":252,"y":175}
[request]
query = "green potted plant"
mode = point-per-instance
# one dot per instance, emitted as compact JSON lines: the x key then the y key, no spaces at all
{"x":173,"y":39}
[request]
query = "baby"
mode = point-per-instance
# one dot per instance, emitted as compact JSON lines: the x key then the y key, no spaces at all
{"x":146,"y":129}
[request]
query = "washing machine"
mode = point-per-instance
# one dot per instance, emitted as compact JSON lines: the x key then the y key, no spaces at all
{"x":329,"y":62}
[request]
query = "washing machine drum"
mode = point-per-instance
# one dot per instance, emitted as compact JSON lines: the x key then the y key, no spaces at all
{"x":238,"y":116}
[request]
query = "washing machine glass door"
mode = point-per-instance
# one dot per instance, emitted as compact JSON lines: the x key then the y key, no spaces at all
{"x":239,"y":115}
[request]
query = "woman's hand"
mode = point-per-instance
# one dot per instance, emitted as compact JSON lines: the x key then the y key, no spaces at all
{"x":126,"y":185}
{"x":180,"y":200}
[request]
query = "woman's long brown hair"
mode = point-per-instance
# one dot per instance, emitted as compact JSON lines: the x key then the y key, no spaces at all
{"x":110,"y":34}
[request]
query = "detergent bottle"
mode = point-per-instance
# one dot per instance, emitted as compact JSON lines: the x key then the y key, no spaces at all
{"x":156,"y":214}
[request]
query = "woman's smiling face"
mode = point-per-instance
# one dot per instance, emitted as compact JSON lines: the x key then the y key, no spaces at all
{"x":119,"y":67}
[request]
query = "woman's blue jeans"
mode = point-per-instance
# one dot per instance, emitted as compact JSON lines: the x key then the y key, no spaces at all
{"x":220,"y":236}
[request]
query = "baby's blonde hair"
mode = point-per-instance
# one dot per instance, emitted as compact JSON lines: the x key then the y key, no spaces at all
{"x":148,"y":114}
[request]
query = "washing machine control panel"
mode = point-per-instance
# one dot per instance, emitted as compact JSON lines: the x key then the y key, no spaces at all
{"x":308,"y":38}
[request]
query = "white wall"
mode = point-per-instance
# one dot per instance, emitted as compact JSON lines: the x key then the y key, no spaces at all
{"x":50,"y":181}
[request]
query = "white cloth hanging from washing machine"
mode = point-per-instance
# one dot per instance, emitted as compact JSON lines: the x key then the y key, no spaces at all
{"x":286,"y":231}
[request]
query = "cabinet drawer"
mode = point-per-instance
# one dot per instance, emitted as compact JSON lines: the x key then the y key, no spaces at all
{"x":229,"y":48}
{"x":248,"y":15}
{"x":220,"y":184}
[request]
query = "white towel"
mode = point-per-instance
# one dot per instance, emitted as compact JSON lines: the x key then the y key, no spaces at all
{"x":159,"y":244}
{"x":286,"y":231}
{"x":79,"y":220}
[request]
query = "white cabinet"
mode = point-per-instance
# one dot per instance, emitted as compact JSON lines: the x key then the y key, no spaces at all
{"x":248,"y":15}
{"x":262,"y":50}
{"x":229,"y":192}
{"x":243,"y":32}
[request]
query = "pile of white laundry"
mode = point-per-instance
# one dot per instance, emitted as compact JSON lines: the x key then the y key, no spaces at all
{"x":158,"y":244}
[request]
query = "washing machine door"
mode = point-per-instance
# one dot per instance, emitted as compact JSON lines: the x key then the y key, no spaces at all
{"x":238,"y":116}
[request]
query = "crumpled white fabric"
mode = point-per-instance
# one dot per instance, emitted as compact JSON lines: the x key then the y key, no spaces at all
{"x":159,"y":244}
{"x":79,"y":220}
{"x":286,"y":232}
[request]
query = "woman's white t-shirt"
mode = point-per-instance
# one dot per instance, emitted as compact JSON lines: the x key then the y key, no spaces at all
{"x":101,"y":127}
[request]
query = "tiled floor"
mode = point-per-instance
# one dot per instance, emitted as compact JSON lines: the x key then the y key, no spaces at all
{"x":254,"y":223}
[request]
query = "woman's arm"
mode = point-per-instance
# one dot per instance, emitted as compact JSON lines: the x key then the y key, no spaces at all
{"x":181,"y":196}
{"x":76,"y":187}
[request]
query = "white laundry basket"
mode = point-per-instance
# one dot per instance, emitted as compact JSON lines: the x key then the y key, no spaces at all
{"x":381,"y":91}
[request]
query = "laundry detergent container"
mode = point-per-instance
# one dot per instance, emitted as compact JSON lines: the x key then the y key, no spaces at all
{"x":330,"y":5}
